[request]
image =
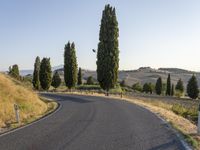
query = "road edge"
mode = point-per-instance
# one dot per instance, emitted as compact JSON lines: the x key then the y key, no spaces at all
{"x":178,"y":134}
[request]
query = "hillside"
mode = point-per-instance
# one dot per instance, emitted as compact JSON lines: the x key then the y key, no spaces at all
{"x":146,"y":74}
{"x":143,"y":75}
{"x":11,"y":92}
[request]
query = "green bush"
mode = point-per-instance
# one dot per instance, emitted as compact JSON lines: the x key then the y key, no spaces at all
{"x":88,"y":87}
{"x":190,"y":113}
{"x":178,"y":93}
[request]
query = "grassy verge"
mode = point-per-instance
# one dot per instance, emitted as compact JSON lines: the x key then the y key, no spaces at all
{"x":51,"y":106}
{"x":31,"y":107}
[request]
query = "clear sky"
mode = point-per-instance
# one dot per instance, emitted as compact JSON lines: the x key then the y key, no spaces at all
{"x":156,"y":33}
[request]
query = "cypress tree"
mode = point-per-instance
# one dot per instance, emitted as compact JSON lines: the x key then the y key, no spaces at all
{"x":179,"y":86}
{"x":45,"y":74}
{"x":56,"y":80}
{"x":79,"y":76}
{"x":108,"y":51}
{"x":70,"y":65}
{"x":36,"y":79}
{"x":158,"y":87}
{"x":192,"y":87}
{"x":168,"y":91}
{"x":172,"y":90}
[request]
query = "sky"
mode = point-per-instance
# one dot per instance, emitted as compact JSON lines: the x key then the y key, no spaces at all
{"x":155,"y":33}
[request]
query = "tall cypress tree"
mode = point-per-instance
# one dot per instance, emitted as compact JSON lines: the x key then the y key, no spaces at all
{"x":172,"y":90}
{"x":168,"y":91}
{"x":56,"y":80}
{"x":179,"y":86}
{"x":70,"y":65}
{"x":192,"y":87}
{"x":79,"y":76}
{"x":108,"y":51}
{"x":45,"y":74}
{"x":158,"y":87}
{"x":36,"y":79}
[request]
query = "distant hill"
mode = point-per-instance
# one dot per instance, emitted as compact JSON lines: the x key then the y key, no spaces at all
{"x":28,"y":72}
{"x":176,"y":70}
{"x":146,"y":74}
{"x":142,"y":75}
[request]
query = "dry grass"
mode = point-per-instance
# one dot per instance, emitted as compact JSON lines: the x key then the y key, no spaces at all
{"x":11,"y":92}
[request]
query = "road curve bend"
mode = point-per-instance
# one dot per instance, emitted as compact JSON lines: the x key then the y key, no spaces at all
{"x":94,"y":123}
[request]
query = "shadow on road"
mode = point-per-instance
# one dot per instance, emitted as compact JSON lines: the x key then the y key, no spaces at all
{"x":65,"y":98}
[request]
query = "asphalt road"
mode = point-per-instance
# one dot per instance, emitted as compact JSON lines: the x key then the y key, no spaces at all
{"x":94,"y":123}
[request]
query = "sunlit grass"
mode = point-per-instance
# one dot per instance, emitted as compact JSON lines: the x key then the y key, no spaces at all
{"x":11,"y":92}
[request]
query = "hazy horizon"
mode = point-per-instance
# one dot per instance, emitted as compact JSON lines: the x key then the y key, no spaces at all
{"x":158,"y":34}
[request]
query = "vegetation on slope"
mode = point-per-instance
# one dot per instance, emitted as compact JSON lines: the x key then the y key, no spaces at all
{"x":14,"y":92}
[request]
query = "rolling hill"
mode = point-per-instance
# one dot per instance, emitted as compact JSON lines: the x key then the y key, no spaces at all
{"x":143,"y":74}
{"x":146,"y":74}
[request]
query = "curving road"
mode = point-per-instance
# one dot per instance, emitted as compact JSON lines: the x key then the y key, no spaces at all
{"x":93,"y":123}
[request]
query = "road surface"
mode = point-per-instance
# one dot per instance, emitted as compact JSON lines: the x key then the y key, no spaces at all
{"x":94,"y":123}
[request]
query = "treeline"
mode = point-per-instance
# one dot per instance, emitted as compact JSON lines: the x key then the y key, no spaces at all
{"x":169,"y":89}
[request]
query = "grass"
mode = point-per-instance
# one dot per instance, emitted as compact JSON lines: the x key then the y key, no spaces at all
{"x":190,"y":113}
{"x":188,"y":138}
{"x":15,"y":92}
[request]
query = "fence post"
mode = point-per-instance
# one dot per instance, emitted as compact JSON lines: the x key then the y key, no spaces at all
{"x":16,"y":107}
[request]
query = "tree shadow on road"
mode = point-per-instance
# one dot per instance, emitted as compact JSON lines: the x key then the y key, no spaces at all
{"x":60,"y":98}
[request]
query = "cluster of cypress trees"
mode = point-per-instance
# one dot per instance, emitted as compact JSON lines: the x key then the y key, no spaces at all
{"x":42,"y":75}
{"x":70,"y":65}
{"x":192,"y":87}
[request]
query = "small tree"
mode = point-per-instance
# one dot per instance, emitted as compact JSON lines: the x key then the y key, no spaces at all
{"x":14,"y":72}
{"x":79,"y":76}
{"x":179,"y":86}
{"x":45,"y":74}
{"x":56,"y":80}
{"x":192,"y":87}
{"x":148,"y":88}
{"x":36,"y":74}
{"x":137,"y":87}
{"x":168,"y":91}
{"x":158,"y":87}
{"x":90,"y":80}
{"x":172,"y":90}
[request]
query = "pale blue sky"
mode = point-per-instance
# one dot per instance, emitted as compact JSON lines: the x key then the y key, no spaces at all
{"x":156,"y":33}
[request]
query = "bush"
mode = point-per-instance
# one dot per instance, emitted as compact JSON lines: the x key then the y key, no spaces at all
{"x":90,"y":80}
{"x":188,"y":113}
{"x":178,"y":93}
{"x":137,"y":87}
